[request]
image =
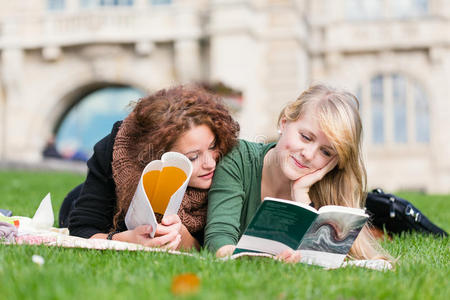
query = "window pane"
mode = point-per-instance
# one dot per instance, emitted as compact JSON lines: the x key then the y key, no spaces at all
{"x":376,"y":92}
{"x":422,"y":116}
{"x":97,"y":3}
{"x":88,"y":3}
{"x":160,"y":2}
{"x":409,"y":8}
{"x":363,"y":9}
{"x":400,"y":112}
{"x":56,"y":4}
{"x":116,"y":2}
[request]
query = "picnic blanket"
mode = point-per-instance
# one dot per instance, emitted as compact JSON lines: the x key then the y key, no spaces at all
{"x":38,"y":230}
{"x":59,"y":237}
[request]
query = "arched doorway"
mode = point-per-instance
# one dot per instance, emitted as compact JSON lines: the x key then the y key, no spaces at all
{"x":91,"y":118}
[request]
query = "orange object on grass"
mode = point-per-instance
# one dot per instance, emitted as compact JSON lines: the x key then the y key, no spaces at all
{"x":184,"y":284}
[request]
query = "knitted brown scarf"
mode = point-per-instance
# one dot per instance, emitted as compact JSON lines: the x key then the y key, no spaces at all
{"x":127,"y":171}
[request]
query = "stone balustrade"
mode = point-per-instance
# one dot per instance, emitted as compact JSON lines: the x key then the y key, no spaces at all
{"x":125,"y":25}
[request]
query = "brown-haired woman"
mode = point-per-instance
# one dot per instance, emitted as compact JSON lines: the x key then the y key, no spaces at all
{"x":184,"y":119}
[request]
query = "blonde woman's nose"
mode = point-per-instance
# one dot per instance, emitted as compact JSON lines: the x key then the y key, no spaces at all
{"x":308,"y":152}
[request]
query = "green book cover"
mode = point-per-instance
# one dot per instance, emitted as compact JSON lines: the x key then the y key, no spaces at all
{"x":277,"y":225}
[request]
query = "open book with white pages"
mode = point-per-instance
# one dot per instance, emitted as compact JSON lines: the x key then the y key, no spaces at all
{"x":324,"y":237}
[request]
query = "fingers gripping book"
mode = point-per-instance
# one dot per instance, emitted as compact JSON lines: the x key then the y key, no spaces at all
{"x":324,"y":237}
{"x":160,"y":190}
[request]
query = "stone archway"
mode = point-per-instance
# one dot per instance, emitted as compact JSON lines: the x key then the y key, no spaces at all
{"x":56,"y":103}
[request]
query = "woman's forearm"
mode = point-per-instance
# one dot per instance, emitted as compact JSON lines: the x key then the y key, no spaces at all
{"x":99,"y":236}
{"x":120,"y":236}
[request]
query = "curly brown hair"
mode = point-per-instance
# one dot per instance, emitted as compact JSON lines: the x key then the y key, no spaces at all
{"x":153,"y":127}
{"x":161,"y":118}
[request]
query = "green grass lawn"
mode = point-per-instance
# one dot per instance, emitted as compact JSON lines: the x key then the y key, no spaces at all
{"x":422,"y":271}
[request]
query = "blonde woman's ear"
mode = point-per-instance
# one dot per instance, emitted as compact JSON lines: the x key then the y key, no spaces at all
{"x":281,"y":125}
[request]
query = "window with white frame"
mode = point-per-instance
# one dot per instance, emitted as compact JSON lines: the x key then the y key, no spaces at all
{"x":395,"y":110}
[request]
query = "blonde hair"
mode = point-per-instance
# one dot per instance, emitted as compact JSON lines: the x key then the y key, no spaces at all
{"x":345,"y":185}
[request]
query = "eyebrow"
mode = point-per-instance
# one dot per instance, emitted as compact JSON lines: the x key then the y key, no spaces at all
{"x":197,"y":151}
{"x":193,"y":151}
{"x":329,"y":148}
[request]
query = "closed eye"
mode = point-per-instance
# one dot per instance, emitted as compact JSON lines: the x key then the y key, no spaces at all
{"x":305,"y":137}
{"x":326,"y":153}
{"x":192,"y":157}
{"x":213,"y":145}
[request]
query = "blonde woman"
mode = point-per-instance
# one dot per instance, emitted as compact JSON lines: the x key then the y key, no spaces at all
{"x":317,"y":160}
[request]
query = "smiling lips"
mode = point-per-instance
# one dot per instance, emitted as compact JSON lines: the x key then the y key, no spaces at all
{"x":298,"y":164}
{"x":207,"y":175}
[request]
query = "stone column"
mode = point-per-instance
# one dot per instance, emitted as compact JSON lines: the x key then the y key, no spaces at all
{"x":72,"y":5}
{"x":11,"y":77}
{"x":187,"y":49}
{"x":440,"y":120}
{"x":258,"y":47}
{"x":188,"y":63}
{"x":2,"y":122}
{"x":141,"y":4}
{"x":236,"y":59}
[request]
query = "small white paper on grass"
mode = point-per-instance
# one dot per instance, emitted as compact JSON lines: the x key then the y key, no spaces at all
{"x":43,"y":218}
{"x":37,"y":259}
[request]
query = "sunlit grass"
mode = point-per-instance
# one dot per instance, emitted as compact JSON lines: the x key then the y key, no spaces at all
{"x":422,"y":271}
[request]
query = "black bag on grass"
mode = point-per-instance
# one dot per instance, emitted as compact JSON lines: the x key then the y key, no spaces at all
{"x":398,"y":215}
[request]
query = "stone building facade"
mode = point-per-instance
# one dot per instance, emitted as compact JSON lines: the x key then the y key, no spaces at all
{"x":394,"y":55}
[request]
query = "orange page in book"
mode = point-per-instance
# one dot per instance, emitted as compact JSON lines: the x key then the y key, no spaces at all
{"x":161,"y":185}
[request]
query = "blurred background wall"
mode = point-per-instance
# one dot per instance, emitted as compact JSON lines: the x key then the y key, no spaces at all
{"x":69,"y":68}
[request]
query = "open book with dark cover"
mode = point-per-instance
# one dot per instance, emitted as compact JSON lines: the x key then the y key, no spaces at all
{"x":324,"y":237}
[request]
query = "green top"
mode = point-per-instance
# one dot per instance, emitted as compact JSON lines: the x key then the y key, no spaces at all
{"x":235,"y":194}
